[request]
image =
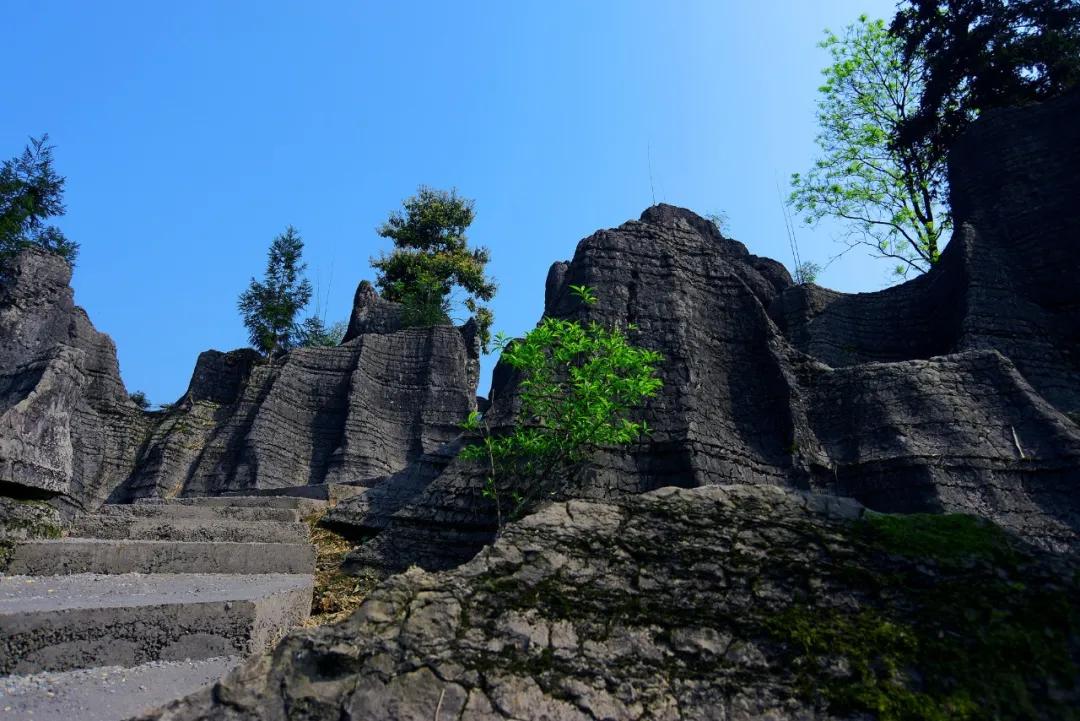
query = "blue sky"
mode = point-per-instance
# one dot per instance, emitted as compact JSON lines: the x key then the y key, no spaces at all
{"x":192,"y":133}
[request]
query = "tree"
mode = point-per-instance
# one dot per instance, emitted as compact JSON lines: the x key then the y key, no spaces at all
{"x":269,"y":307}
{"x":139,"y":399}
{"x":31,"y":192}
{"x":432,"y":258}
{"x":579,"y":386}
{"x":892,"y":197}
{"x":314,"y":332}
{"x":983,"y":54}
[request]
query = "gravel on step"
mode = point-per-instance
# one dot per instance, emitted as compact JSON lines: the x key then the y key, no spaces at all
{"x":108,"y":693}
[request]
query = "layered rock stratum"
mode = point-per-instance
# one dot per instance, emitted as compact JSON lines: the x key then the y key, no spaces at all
{"x":956,"y":391}
{"x":384,"y":398}
{"x":67,"y":427}
{"x":354,"y":413}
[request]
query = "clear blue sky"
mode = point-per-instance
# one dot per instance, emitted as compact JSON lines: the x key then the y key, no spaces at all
{"x":192,"y":133}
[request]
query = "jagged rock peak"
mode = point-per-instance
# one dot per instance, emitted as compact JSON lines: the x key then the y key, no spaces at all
{"x":372,"y":314}
{"x":957,"y":391}
{"x":67,"y":427}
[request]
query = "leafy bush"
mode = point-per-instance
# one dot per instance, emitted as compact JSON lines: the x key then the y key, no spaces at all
{"x":807,"y":272}
{"x":579,"y":386}
{"x":139,"y":398}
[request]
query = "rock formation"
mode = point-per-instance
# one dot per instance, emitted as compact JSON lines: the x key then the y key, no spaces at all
{"x":724,"y":602}
{"x":354,"y":413}
{"x":956,"y":391}
{"x":67,"y":427}
{"x":364,"y":410}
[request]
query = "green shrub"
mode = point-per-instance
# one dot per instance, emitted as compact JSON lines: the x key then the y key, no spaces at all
{"x":579,"y":386}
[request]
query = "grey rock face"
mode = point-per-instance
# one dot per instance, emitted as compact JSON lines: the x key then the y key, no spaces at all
{"x":372,"y":314}
{"x":677,"y":604}
{"x":67,"y":427}
{"x":956,"y":391}
{"x":356,"y":413}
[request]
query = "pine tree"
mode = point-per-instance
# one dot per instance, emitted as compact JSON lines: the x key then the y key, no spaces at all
{"x":269,"y":307}
{"x":30,"y":193}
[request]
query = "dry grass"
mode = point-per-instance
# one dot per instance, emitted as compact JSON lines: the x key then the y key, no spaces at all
{"x":337,"y":594}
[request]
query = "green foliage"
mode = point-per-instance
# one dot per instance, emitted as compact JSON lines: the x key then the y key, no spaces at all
{"x":579,"y":386}
{"x":807,"y":272}
{"x":892,"y":198}
{"x":947,"y":538}
{"x":269,"y":307}
{"x":31,"y":192}
{"x":432,"y":258}
{"x":314,"y":333}
{"x":983,"y":54}
{"x":139,"y":398}
{"x":978,"y":635}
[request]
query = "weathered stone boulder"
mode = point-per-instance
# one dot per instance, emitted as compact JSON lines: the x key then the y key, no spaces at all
{"x":956,"y":391}
{"x":67,"y":427}
{"x":372,"y":314}
{"x":724,"y":602}
{"x":355,"y":413}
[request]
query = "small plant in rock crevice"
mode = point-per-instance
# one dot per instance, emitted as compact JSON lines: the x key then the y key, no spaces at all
{"x":579,"y":386}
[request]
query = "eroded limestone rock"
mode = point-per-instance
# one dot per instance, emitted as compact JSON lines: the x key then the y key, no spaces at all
{"x":734,"y":602}
{"x":956,"y":391}
{"x":67,"y":427}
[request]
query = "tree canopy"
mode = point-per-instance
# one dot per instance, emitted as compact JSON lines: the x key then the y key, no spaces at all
{"x":891,"y":197}
{"x":983,"y":54}
{"x":432,"y":258}
{"x":269,"y":307}
{"x":31,"y":192}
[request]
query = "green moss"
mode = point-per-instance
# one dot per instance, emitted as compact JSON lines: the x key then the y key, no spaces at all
{"x":976,"y":629}
{"x":858,"y":662}
{"x":7,"y":548}
{"x":948,"y":537}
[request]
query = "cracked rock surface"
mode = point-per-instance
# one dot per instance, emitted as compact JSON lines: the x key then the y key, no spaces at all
{"x":67,"y":426}
{"x":737,"y":603}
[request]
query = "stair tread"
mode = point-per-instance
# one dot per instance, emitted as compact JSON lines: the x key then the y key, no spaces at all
{"x":177,"y":511}
{"x":109,"y":526}
{"x":31,"y":594}
{"x":266,"y":501}
{"x":107,"y":693}
{"x":73,"y":555}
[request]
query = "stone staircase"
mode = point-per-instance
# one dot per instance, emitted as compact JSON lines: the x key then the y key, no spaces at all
{"x":139,"y":604}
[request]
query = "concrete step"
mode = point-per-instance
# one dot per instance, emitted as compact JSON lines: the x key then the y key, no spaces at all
{"x":332,"y":492}
{"x":188,"y":529}
{"x":107,"y":693}
{"x":85,"y":555}
{"x":235,"y":513}
{"x":304,"y":505}
{"x":60,"y":623}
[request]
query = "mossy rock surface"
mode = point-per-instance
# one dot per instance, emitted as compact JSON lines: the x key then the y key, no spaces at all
{"x":22,"y":519}
{"x":739,"y":602}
